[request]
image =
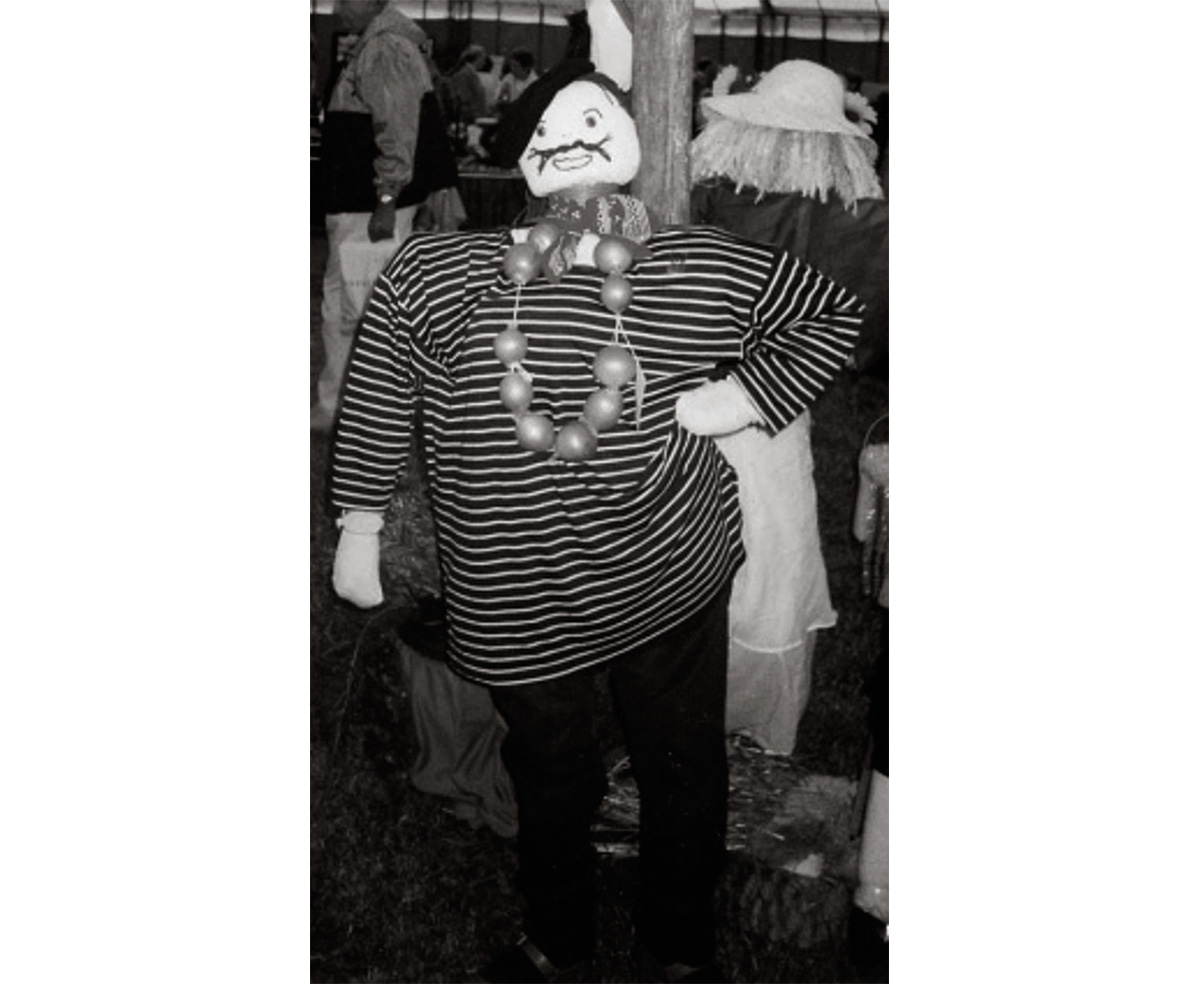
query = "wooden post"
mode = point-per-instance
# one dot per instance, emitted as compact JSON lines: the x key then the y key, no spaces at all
{"x":663,"y":59}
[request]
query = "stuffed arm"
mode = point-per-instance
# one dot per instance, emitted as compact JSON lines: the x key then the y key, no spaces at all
{"x":802,"y":332}
{"x":356,"y":563}
{"x":371,"y":441}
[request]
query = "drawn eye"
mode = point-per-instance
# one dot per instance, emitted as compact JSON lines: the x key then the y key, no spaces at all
{"x":541,"y":129}
{"x":591,"y":120}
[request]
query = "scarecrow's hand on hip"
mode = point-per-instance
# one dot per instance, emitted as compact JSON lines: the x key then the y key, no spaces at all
{"x":716,"y":408}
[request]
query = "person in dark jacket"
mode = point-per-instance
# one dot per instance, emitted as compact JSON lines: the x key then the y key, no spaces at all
{"x":468,"y":98}
{"x":373,"y":137}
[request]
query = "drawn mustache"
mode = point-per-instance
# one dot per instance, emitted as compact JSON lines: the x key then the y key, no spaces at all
{"x":547,"y":155}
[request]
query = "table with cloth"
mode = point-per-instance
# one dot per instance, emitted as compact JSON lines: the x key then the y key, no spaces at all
{"x":492,"y":196}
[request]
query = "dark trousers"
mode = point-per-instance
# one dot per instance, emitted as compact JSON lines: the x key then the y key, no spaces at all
{"x":670,"y":699}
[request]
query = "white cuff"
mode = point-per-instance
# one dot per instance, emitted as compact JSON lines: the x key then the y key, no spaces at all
{"x":358,"y":521}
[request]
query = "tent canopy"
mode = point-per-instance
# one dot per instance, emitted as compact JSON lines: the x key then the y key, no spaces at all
{"x":837,"y":20}
{"x":850,"y":36}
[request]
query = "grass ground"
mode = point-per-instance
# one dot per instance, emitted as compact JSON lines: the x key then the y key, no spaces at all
{"x":402,"y":890}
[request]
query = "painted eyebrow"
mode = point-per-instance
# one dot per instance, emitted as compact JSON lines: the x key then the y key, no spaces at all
{"x":593,"y":109}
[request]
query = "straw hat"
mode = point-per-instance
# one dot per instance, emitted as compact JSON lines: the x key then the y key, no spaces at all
{"x":794,"y":95}
{"x":792,"y":132}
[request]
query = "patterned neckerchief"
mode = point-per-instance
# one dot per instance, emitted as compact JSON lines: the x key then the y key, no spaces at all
{"x":605,"y":215}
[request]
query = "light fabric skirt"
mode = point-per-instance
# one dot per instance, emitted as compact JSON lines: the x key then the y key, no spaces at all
{"x":780,"y":594}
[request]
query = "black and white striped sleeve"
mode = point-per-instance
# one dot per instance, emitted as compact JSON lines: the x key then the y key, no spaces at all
{"x":371,"y":443}
{"x":804,"y":326}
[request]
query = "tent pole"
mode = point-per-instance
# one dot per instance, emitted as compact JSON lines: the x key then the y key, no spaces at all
{"x":663,"y":61}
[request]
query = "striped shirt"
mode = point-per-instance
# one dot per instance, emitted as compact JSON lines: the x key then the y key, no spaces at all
{"x":550,"y":566}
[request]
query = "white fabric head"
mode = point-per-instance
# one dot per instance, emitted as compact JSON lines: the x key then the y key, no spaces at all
{"x":585,"y":137}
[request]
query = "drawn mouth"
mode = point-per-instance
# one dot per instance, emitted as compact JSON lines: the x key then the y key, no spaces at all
{"x":571,"y":162}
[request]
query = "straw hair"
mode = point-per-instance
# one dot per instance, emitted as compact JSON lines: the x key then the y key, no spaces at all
{"x":771,"y":159}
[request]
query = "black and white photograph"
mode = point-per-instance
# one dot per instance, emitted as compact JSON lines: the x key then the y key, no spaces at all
{"x":591,"y":528}
{"x":599,"y":473}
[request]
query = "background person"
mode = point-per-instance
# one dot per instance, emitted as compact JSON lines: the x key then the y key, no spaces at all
{"x":468,"y":98}
{"x":519,"y":77}
{"x":368,"y":154}
{"x":489,"y":73}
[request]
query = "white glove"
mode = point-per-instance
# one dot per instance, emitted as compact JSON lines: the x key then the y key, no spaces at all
{"x":715,"y":409}
{"x":356,"y":563}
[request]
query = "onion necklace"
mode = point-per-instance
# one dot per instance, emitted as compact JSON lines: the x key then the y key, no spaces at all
{"x":615,"y":364}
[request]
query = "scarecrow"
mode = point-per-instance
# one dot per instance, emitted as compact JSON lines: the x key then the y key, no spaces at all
{"x":586,"y":521}
{"x":793,"y":163}
{"x":790,"y":163}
